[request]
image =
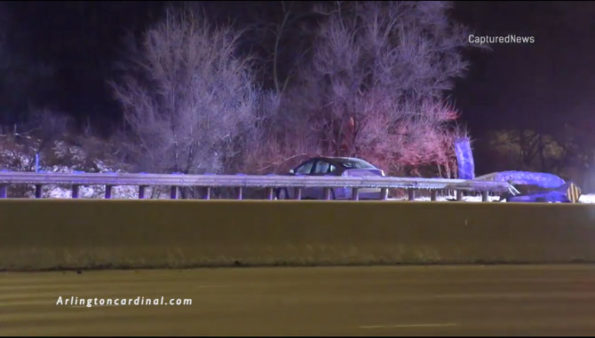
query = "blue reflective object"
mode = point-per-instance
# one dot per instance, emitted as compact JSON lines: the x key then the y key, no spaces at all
{"x":465,"y":162}
{"x":544,"y":180}
{"x":533,"y":186}
{"x":547,"y":196}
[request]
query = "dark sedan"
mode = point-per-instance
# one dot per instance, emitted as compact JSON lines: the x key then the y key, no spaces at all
{"x":333,"y":166}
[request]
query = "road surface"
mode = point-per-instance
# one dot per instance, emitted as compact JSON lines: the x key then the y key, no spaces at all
{"x":378,"y":300}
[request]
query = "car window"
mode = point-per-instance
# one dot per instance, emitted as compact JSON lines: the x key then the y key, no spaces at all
{"x":353,"y":163}
{"x":305,"y":168}
{"x":321,"y":167}
{"x":332,"y":169}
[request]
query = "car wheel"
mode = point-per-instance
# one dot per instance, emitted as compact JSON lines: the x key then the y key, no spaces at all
{"x":282,"y":194}
{"x":332,"y":195}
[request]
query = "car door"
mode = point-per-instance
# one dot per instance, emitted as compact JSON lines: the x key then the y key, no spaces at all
{"x":321,"y":168}
{"x":304,"y":169}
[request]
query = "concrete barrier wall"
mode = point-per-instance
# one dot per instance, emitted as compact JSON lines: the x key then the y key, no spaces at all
{"x":49,"y":234}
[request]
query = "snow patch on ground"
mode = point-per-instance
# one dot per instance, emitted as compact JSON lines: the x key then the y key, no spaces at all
{"x":590,"y":198}
{"x":131,"y":192}
{"x":447,"y":198}
{"x":98,"y":192}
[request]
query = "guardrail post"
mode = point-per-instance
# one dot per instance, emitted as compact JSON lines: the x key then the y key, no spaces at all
{"x":459,"y":195}
{"x":411,"y":194}
{"x":327,"y":193}
{"x":3,"y":189}
{"x":240,"y":193}
{"x":270,"y":193}
{"x":75,"y":191}
{"x":141,"y":191}
{"x":484,"y":196}
{"x":108,"y":191}
{"x":384,"y":194}
{"x":298,"y":193}
{"x":433,"y":195}
{"x":38,"y":191}
{"x":355,"y":194}
{"x":208,"y":193}
{"x":173,"y":192}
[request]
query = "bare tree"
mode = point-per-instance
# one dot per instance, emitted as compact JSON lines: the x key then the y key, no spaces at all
{"x":188,"y":97}
{"x":375,"y":87}
{"x":282,"y":139}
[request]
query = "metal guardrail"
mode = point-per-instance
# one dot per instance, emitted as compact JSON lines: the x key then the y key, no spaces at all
{"x":241,"y":181}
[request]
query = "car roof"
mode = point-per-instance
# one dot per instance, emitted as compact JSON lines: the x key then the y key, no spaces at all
{"x":338,"y":161}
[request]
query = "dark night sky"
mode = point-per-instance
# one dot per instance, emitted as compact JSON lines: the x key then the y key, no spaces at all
{"x":552,"y":77}
{"x":62,"y":53}
{"x":539,"y":86}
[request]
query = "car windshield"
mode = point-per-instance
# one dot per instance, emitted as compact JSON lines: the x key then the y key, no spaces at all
{"x":354,"y":163}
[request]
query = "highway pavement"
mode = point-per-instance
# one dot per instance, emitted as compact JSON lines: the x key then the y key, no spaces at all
{"x":349,"y":300}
